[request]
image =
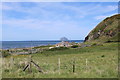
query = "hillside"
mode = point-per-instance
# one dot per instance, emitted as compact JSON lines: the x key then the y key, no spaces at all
{"x":105,"y":31}
{"x":90,"y":62}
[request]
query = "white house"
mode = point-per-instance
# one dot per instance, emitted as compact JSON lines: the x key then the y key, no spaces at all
{"x":63,"y":44}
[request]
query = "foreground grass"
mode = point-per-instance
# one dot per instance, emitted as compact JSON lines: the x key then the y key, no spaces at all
{"x":90,"y":62}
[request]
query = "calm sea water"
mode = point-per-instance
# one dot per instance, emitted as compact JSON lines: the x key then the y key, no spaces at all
{"x":24,"y":44}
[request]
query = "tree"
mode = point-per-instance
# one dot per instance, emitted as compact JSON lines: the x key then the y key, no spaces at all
{"x":63,"y":39}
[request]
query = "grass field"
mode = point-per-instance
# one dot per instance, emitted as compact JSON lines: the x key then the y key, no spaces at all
{"x":90,"y":62}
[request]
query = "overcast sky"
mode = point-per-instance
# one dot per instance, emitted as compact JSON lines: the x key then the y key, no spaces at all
{"x":53,"y":20}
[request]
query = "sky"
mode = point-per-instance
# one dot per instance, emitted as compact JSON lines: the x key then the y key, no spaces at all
{"x":60,"y":0}
{"x":52,"y":20}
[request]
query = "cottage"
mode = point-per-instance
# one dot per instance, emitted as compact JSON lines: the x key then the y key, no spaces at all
{"x":63,"y":44}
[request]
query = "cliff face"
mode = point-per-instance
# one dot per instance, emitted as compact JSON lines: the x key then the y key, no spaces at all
{"x":107,"y":30}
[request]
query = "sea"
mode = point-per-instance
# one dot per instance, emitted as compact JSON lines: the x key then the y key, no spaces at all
{"x":25,"y":44}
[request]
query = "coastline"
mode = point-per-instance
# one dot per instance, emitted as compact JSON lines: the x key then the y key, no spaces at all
{"x":40,"y":49}
{"x":29,"y":44}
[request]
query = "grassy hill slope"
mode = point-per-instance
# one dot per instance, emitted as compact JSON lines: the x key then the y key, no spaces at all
{"x":107,"y":30}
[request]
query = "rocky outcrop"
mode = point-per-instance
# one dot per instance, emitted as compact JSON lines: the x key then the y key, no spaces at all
{"x":107,"y":30}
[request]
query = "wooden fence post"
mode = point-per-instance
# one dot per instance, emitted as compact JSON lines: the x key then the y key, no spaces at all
{"x":86,"y":64}
{"x":29,"y":65}
{"x":30,"y":59}
{"x":11,"y":62}
{"x":59,"y":65}
{"x":74,"y":65}
{"x":25,"y":67}
{"x":39,"y":68}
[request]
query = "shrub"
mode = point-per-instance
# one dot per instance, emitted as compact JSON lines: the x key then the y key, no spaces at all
{"x":5,"y":54}
{"x":7,"y":70}
{"x":74,"y":46}
{"x":94,"y":44}
{"x":103,"y":56}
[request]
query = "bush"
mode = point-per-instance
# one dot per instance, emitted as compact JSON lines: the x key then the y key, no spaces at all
{"x":7,"y":70}
{"x":74,"y":46}
{"x":5,"y":54}
{"x":94,"y":44}
{"x":103,"y":56}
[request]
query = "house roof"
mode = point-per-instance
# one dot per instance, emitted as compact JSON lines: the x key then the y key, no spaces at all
{"x":63,"y":43}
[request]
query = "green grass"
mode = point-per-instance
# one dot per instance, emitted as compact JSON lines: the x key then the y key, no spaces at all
{"x":102,"y":62}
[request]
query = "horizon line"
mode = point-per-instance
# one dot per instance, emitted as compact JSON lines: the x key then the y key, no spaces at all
{"x":40,"y":40}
